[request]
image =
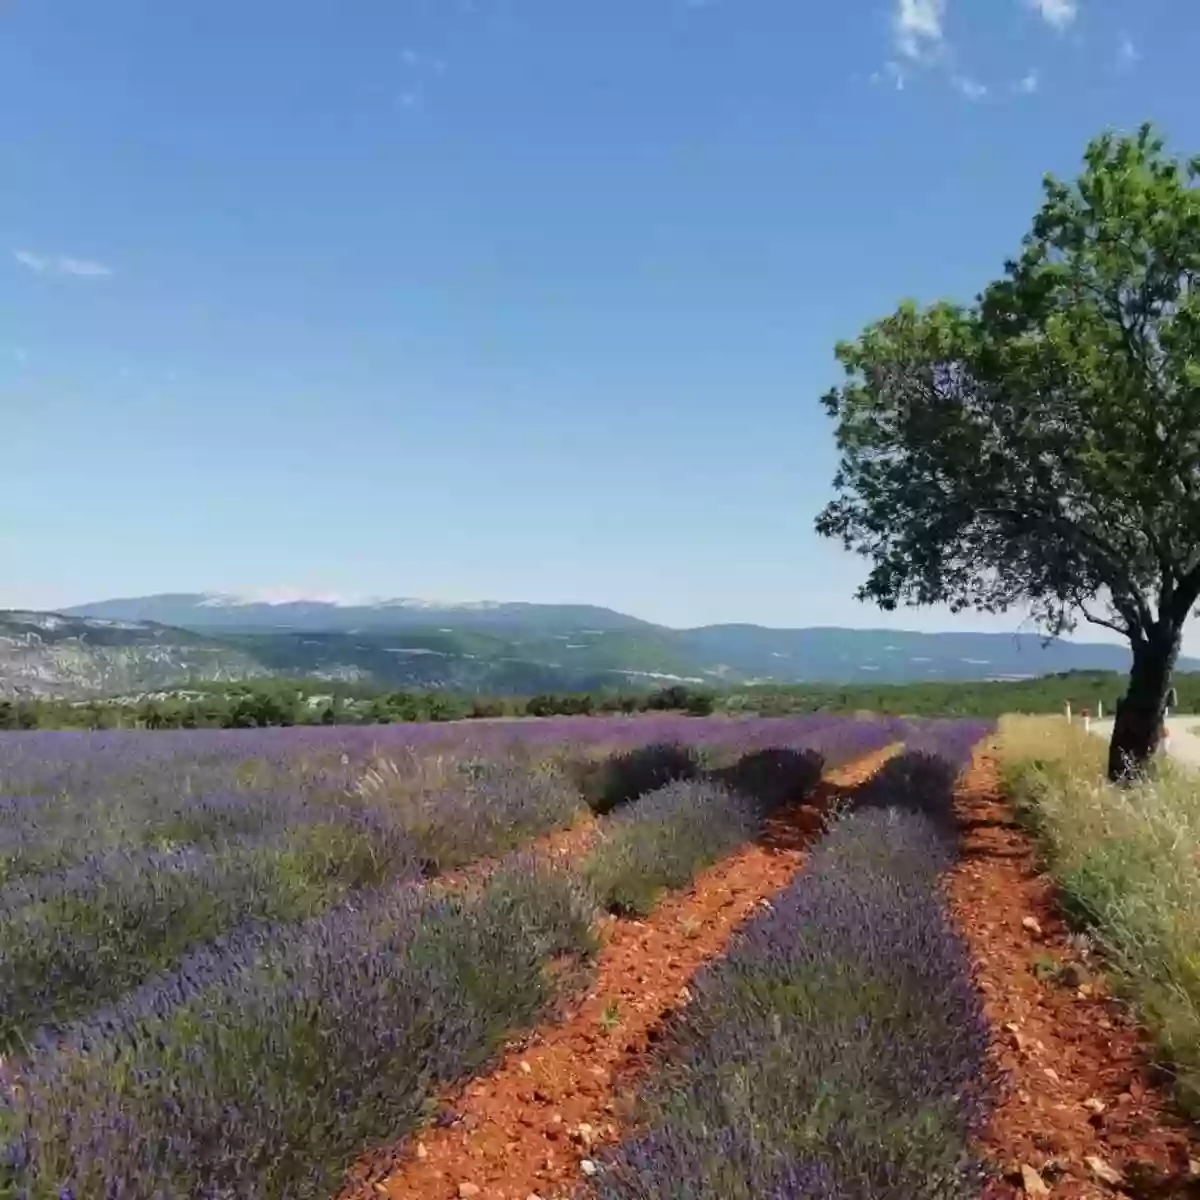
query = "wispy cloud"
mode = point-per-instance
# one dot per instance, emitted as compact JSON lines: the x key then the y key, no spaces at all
{"x":917,"y":25}
{"x":1027,"y":84}
{"x":61,"y":264}
{"x":1058,"y":13}
{"x":892,"y":73}
{"x":971,"y":88}
{"x":1127,"y":53}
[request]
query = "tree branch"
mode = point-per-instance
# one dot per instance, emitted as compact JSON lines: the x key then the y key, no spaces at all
{"x":1093,"y":619}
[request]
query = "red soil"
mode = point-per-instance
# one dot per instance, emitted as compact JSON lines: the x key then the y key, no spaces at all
{"x":1082,"y":1111}
{"x":559,"y":845}
{"x":525,"y":1129}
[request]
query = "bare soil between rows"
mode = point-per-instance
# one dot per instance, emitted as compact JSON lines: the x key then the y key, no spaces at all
{"x":1083,"y":1111}
{"x":555,"y":1098}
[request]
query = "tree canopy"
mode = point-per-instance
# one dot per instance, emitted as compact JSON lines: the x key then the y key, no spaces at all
{"x":1041,"y":446}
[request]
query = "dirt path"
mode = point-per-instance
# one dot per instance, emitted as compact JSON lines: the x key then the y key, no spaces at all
{"x":1182,"y":743}
{"x":1080,"y":1103}
{"x":528,"y":1128}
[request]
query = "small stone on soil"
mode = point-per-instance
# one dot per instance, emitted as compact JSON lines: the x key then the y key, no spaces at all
{"x":1103,"y":1170}
{"x":1032,"y":1182}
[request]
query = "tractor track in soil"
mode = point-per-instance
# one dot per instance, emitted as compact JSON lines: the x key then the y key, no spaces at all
{"x":1081,"y":1103}
{"x":556,"y":1096}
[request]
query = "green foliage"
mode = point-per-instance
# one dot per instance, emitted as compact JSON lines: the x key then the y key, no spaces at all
{"x":1042,"y":446}
{"x":1037,"y":445}
{"x":273,"y":702}
{"x":1046,"y":694}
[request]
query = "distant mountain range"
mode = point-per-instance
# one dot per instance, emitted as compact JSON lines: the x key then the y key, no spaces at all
{"x":212,"y":611}
{"x":149,"y":643}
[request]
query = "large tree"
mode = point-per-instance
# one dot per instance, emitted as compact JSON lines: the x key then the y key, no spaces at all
{"x":1041,"y":447}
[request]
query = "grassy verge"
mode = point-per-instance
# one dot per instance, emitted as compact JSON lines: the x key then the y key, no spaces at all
{"x":1128,"y":863}
{"x":835,"y":1050}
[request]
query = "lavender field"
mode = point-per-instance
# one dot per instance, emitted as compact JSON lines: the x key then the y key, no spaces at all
{"x":222,"y":974}
{"x":838,"y":1049}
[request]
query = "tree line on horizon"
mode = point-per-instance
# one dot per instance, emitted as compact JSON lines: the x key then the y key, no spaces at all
{"x":276,"y":703}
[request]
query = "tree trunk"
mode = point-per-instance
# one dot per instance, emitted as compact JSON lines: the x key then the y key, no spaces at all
{"x":1139,"y":716}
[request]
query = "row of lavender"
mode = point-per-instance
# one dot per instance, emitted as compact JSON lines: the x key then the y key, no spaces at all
{"x":66,"y":795}
{"x":315,"y":1017}
{"x":112,"y":873}
{"x":837,"y":1050}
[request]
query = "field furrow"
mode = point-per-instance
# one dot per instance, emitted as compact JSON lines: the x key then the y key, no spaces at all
{"x":527,"y":1127}
{"x":1082,"y":1110}
{"x":245,"y":1055}
{"x":836,"y":1050}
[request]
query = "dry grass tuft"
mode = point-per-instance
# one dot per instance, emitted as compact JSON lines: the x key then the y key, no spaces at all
{"x":1128,"y":862}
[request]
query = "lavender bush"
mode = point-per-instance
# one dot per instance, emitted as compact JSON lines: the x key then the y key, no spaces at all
{"x":773,"y":778}
{"x":836,"y":1050}
{"x":624,"y":777}
{"x":264,"y":1067}
{"x":83,"y":936}
{"x":69,"y":795}
{"x":950,"y":739}
{"x":290,"y":1004}
{"x":662,"y":840}
{"x":481,"y":808}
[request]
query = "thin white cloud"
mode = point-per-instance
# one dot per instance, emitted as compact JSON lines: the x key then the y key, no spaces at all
{"x":893,"y":73}
{"x":971,"y":88}
{"x":1027,"y":84}
{"x":1058,"y":13}
{"x":917,"y":25}
{"x":1127,"y":53}
{"x":61,"y":264}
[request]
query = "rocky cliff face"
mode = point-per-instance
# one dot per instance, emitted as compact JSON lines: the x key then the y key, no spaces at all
{"x":45,"y":655}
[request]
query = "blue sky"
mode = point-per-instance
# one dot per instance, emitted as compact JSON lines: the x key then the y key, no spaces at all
{"x":517,"y":299}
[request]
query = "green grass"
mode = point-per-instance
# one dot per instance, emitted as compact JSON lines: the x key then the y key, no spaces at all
{"x":1128,"y":863}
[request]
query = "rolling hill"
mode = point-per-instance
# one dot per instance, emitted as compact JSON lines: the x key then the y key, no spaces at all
{"x":130,"y":646}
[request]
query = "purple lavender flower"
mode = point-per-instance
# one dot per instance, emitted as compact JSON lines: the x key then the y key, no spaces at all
{"x":837,"y":1049}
